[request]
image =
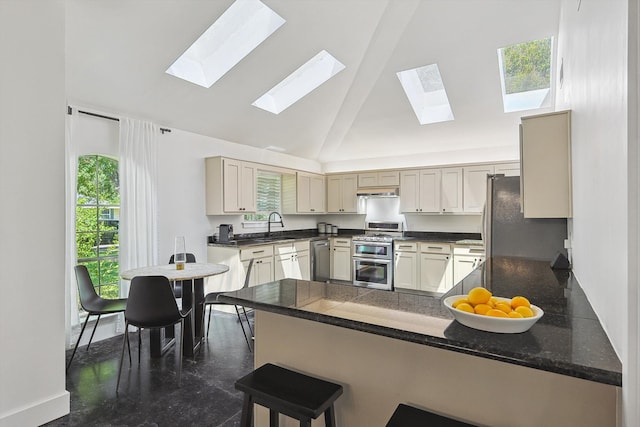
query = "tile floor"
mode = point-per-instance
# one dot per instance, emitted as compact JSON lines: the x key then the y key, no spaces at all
{"x":149,"y":393}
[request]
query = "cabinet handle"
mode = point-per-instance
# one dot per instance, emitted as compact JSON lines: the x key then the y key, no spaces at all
{"x":404,"y":246}
{"x":468,"y":262}
{"x":257,"y":252}
{"x":435,"y":247}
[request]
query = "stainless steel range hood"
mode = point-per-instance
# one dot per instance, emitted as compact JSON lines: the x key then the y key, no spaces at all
{"x":378,"y":192}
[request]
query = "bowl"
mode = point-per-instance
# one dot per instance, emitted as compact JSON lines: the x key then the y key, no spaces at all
{"x":493,"y":324}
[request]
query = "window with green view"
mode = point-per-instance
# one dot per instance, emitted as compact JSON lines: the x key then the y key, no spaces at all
{"x":268,"y":195}
{"x":97,"y":221}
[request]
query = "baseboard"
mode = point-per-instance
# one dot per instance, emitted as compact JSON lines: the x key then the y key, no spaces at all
{"x":38,"y":413}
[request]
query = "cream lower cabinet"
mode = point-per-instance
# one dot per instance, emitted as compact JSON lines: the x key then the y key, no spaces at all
{"x":263,"y":267}
{"x":292,"y":261}
{"x":465,"y":260}
{"x":423,"y":266}
{"x":405,"y":266}
{"x":340,"y":261}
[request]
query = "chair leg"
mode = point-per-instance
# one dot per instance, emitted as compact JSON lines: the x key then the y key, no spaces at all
{"x":242,"y":326}
{"x":248,"y":323}
{"x":125,"y":339}
{"x":84,"y":325}
{"x":139,"y":343}
{"x":209,"y":322}
{"x":94,"y":331}
{"x":128,"y":345}
{"x":179,"y":350}
{"x":247,"y":411}
{"x":274,"y":419}
{"x":330,"y":417}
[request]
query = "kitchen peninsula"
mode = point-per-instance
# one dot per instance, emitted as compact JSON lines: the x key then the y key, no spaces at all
{"x":388,"y":348}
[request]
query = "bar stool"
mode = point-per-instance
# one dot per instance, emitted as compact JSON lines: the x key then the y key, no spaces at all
{"x":408,"y":416}
{"x":287,"y":392}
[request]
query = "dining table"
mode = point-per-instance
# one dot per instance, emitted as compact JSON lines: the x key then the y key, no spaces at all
{"x":192,"y":298}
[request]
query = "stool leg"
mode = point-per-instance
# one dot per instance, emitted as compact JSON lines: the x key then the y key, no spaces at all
{"x":305,"y":422}
{"x":274,"y":420}
{"x":247,"y":411}
{"x":330,"y":417}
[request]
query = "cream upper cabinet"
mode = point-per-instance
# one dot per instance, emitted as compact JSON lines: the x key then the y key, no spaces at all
{"x":230,"y":186}
{"x":545,"y":155}
{"x":379,"y":179}
{"x":341,"y":193}
{"x":451,"y":192}
{"x":475,"y":186}
{"x":508,"y":169}
{"x":310,"y":193}
{"x":420,"y":190}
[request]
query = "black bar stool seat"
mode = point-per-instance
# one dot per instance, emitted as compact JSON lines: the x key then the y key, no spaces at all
{"x":408,"y":416}
{"x":287,"y":392}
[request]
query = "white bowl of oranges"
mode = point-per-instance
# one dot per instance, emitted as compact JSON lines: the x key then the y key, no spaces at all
{"x":479,"y":309}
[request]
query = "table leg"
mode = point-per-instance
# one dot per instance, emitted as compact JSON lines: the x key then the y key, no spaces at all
{"x":193,"y":297}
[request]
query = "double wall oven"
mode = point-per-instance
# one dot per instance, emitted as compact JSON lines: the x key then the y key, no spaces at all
{"x":373,"y":255}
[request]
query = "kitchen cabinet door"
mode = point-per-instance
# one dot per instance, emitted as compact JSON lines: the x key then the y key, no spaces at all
{"x":262,"y":271}
{"x":451,"y":198}
{"x":310,"y":193}
{"x":341,"y":264}
{"x":341,"y":193}
{"x":436,"y":272}
{"x":302,"y":266}
{"x":239,"y":183}
{"x":545,"y":154}
{"x":405,"y":274}
{"x":475,"y":187}
{"x":430,"y":190}
{"x":463,"y":265}
{"x":508,"y":169}
{"x":410,"y":191}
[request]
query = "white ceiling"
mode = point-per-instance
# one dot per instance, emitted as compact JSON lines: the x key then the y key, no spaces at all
{"x":118,"y":51}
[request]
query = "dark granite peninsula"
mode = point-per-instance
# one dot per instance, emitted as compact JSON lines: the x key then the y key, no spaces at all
{"x":392,"y":347}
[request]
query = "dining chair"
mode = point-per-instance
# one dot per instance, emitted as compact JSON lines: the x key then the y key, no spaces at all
{"x":211,"y":299}
{"x":152,"y":305}
{"x":94,"y":305}
{"x":177,"y":285}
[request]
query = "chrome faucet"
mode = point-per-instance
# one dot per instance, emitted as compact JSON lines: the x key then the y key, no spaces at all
{"x":269,"y":222}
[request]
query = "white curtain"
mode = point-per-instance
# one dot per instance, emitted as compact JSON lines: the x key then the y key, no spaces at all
{"x":138,"y":196}
{"x":72,"y":317}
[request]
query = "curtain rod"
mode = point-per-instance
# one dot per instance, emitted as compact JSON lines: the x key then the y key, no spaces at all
{"x":163,"y":130}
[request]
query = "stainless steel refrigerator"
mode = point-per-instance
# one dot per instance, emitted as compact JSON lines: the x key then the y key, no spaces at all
{"x":508,"y":233}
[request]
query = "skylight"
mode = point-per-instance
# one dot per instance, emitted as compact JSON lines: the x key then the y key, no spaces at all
{"x":239,"y":30}
{"x":426,"y":93}
{"x":525,"y":75}
{"x":301,"y":82}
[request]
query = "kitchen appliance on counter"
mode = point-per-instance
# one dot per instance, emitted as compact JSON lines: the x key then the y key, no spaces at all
{"x":225,"y":233}
{"x":508,"y":233}
{"x":373,"y":255}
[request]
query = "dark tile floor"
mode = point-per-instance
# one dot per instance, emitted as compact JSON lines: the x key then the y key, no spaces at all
{"x":149,"y":393}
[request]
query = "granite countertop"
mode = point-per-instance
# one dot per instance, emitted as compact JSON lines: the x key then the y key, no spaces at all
{"x":567,"y":340}
{"x":241,"y":240}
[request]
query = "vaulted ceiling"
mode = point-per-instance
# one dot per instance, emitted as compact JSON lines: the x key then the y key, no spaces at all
{"x":118,"y":51}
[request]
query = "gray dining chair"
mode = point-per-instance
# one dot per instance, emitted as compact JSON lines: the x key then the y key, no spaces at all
{"x":152,"y":305}
{"x":94,"y":305}
{"x":211,"y":299}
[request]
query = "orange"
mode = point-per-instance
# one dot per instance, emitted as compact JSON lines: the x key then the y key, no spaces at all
{"x":482,"y":308}
{"x":525,"y":311}
{"x":503,"y":306}
{"x":494,"y":312}
{"x":459,"y":301}
{"x":478,"y":295}
{"x":520,"y":302}
{"x":515,"y":315}
{"x":465,"y":307}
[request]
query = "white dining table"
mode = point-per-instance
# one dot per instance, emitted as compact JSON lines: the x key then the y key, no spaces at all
{"x":192,"y":297}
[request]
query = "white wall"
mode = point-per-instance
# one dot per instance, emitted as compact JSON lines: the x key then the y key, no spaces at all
{"x":32,"y":103}
{"x":593,"y":45}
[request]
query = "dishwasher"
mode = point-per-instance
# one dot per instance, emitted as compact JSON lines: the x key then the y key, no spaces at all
{"x":320,"y":260}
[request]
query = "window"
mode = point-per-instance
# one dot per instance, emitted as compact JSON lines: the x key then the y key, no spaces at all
{"x":268,"y":195}
{"x":525,"y":75}
{"x":426,"y":93}
{"x":97,"y":222}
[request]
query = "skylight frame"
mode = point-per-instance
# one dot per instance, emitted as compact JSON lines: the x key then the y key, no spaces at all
{"x":427,"y":94}
{"x":304,"y":80}
{"x":234,"y":35}
{"x":527,"y":99}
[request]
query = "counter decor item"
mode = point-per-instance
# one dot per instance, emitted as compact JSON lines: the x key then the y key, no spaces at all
{"x":504,"y":325}
{"x":179,"y":252}
{"x":322,"y":227}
